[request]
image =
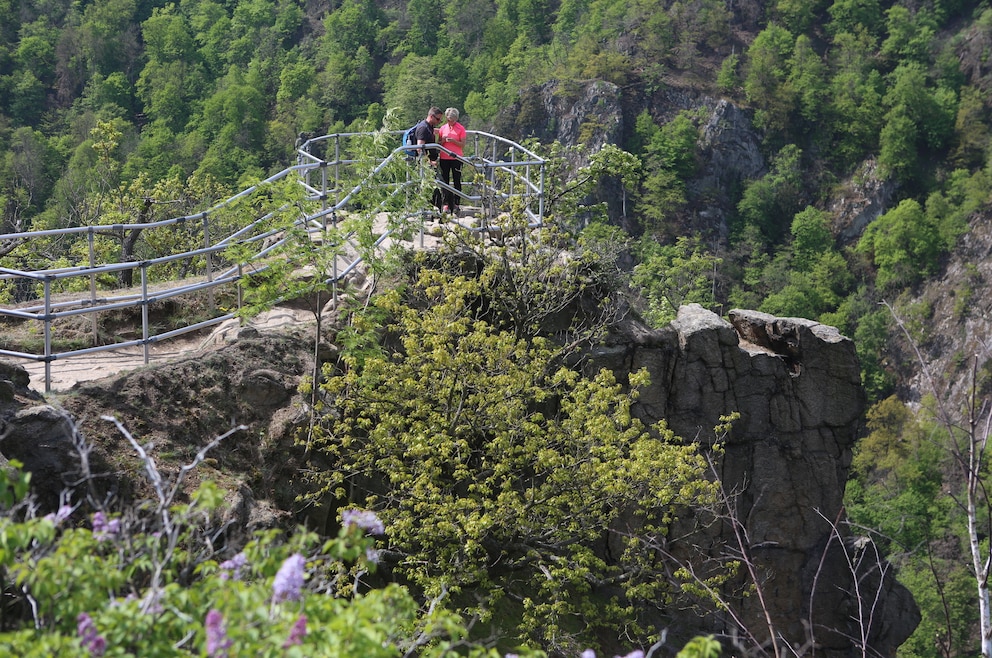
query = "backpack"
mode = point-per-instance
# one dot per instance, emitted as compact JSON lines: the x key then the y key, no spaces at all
{"x":410,"y":139}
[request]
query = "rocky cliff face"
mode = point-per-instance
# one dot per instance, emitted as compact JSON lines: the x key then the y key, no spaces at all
{"x":795,"y":384}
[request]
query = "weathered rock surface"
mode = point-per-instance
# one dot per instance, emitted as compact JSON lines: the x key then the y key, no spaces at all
{"x":795,"y":384}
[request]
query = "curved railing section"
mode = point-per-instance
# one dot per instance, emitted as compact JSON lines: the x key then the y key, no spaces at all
{"x":336,"y":173}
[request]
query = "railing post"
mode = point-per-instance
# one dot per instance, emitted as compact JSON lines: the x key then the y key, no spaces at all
{"x":210,"y":273}
{"x":93,"y":321}
{"x":323,"y":194}
{"x":540,"y":199}
{"x":48,"y":334}
{"x":144,"y":310}
{"x":241,"y":274}
{"x":337,"y":171}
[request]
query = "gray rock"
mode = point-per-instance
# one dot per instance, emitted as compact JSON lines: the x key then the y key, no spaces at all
{"x":796,"y":385}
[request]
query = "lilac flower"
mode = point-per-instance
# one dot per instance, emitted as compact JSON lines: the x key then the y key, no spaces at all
{"x":89,"y":638}
{"x":232,"y":568}
{"x":217,"y":641}
{"x":296,"y":633}
{"x":364,"y":519}
{"x":289,"y":580}
{"x":61,"y":515}
{"x":104,"y":529}
{"x":588,"y":653}
{"x":372,"y":555}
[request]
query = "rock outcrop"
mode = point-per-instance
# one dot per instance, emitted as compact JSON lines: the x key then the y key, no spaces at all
{"x":796,"y":386}
{"x":794,"y":383}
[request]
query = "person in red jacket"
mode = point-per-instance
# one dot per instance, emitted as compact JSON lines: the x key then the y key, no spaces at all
{"x":451,"y":136}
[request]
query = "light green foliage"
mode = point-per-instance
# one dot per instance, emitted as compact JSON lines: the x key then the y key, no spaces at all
{"x":808,"y":78}
{"x":855,"y":98}
{"x":950,"y":209}
{"x":669,"y":156}
{"x":851,"y":15}
{"x":814,"y":279}
{"x":811,"y":237}
{"x":482,"y":451}
{"x":147,"y":590}
{"x":920,"y":118}
{"x":729,"y":79}
{"x":701,"y":647}
{"x":672,"y":275}
{"x":909,"y":36}
{"x":904,"y":245}
{"x":898,"y":485}
{"x":897,"y":470}
{"x":766,"y":80}
{"x":813,"y":292}
{"x":971,"y":131}
{"x":568,"y":190}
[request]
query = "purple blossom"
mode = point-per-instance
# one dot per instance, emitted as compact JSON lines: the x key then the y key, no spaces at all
{"x":89,"y":638}
{"x":217,"y":641}
{"x":61,"y":515}
{"x":296,"y":633}
{"x":588,"y":653}
{"x":289,"y":580}
{"x":364,"y":519}
{"x":232,"y":568}
{"x":104,"y":529}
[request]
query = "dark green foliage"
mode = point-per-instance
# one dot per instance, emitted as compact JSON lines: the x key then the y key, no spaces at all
{"x":770,"y":202}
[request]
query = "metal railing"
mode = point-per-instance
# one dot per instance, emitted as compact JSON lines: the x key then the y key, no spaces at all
{"x":337,"y":176}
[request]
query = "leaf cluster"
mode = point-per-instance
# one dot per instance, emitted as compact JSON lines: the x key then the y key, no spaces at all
{"x":502,"y":473}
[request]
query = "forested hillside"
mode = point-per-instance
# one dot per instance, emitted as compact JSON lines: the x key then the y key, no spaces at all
{"x":116,"y":111}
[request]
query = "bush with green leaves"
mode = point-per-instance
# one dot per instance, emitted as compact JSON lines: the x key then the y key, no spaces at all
{"x":518,"y":491}
{"x":161,"y":583}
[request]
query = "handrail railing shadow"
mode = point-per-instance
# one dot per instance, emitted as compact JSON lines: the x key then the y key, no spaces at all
{"x":501,"y":171}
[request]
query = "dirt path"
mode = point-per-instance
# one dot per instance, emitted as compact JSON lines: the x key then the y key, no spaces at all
{"x":68,"y":372}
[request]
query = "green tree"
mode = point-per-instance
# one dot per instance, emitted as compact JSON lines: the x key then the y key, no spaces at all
{"x":672,"y":275}
{"x":771,"y":201}
{"x":811,"y":237}
{"x":851,"y":15}
{"x":669,"y":157}
{"x":109,"y":42}
{"x":920,"y":119}
{"x":910,"y":37}
{"x":797,"y":16}
{"x":766,"y":82}
{"x":490,"y":445}
{"x":173,"y":79}
{"x":904,"y":245}
{"x":807,"y":77}
{"x":426,"y":25}
{"x":854,"y":99}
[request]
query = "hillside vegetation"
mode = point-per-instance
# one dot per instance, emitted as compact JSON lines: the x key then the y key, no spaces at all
{"x":117,"y":111}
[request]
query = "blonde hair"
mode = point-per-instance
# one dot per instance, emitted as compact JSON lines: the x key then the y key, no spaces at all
{"x":451,"y":113}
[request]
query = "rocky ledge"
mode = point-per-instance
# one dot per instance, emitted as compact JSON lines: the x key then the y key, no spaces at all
{"x":795,"y":385}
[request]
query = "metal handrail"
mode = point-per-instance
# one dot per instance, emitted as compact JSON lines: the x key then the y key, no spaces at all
{"x":503,"y":170}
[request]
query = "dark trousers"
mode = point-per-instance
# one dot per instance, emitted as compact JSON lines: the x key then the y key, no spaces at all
{"x":451,"y":174}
